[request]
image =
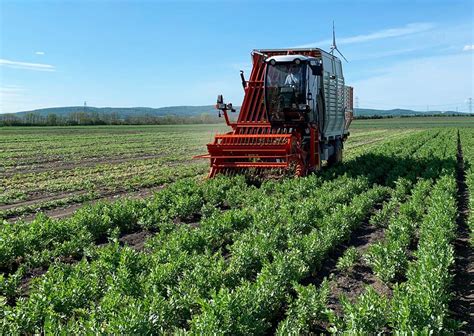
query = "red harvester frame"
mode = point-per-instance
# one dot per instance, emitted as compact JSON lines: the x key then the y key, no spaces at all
{"x":253,"y":142}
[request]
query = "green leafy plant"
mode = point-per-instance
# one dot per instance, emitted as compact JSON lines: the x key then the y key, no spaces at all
{"x":367,"y":315}
{"x":309,"y":308}
{"x":348,"y":259}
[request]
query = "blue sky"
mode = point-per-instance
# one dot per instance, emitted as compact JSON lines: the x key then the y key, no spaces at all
{"x":408,"y":54}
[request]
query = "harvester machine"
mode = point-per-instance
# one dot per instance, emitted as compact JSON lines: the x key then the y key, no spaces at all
{"x":295,"y":114}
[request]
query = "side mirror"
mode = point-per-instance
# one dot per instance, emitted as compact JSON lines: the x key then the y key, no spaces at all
{"x":317,"y":69}
{"x":229,"y":107}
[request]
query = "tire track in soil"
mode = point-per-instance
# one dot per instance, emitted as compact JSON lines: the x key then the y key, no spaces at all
{"x":463,"y":303}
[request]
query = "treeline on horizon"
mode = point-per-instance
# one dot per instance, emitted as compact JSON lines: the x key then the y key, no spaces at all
{"x":411,"y":116}
{"x":95,"y":118}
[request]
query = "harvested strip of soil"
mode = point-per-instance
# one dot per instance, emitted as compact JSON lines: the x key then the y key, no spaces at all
{"x":463,"y":304}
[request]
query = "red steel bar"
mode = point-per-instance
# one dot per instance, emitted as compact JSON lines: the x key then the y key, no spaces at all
{"x":252,"y":134}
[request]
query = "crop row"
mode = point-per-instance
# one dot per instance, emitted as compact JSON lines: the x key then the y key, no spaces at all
{"x":22,"y":241}
{"x":418,"y":305}
{"x":102,"y":177}
{"x":389,"y":258}
{"x":467,"y":143}
{"x":76,"y":144}
{"x":82,"y":164}
{"x":36,"y":165}
{"x":96,"y":186}
{"x":226,"y":256}
{"x":180,"y":195}
{"x":180,"y":254}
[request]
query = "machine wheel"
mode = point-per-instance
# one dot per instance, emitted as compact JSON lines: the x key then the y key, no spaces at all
{"x":337,"y":155}
{"x":300,"y":170}
{"x":296,"y":168}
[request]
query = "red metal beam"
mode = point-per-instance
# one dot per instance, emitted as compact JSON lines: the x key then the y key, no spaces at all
{"x":252,"y":137}
{"x":252,"y":165}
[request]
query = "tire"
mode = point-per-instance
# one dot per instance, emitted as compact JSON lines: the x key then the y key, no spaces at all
{"x":336,"y":157}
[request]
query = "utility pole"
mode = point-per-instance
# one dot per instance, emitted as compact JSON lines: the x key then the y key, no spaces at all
{"x":469,"y":103}
{"x":357,"y":102}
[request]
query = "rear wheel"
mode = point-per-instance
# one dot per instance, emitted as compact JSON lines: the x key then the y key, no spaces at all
{"x":336,"y":157}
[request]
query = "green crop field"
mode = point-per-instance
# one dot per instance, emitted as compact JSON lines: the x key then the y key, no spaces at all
{"x":372,"y":245}
{"x":58,"y":168}
{"x":48,"y":167}
{"x":414,"y":122}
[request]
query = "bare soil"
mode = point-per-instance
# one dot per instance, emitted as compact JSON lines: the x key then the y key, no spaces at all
{"x":353,"y":282}
{"x":29,"y":276}
{"x":135,"y":240}
{"x":463,"y":304}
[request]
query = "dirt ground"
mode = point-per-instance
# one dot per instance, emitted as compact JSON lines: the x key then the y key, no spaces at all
{"x":463,"y":304}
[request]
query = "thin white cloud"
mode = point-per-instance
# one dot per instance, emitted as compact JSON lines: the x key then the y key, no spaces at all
{"x":12,"y":98}
{"x":468,"y":47}
{"x":409,"y":29}
{"x":419,"y":82}
{"x":26,"y":65}
{"x":10,"y":90}
{"x":39,"y":52}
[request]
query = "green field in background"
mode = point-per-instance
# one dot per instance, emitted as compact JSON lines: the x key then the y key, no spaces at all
{"x":414,"y":122}
{"x":48,"y":167}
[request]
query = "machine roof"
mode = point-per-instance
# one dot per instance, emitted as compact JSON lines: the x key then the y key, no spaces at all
{"x":321,"y":51}
{"x":289,"y":58}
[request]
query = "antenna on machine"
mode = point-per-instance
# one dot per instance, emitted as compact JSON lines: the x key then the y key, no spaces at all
{"x":334,"y":46}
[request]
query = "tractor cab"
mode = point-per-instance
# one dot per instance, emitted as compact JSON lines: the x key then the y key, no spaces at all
{"x":295,"y":114}
{"x":291,"y":88}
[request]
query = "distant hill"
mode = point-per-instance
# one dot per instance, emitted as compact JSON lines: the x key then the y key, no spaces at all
{"x":189,"y":111}
{"x":182,"y":111}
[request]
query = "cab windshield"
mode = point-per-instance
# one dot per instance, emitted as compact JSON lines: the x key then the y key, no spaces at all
{"x":284,"y":90}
